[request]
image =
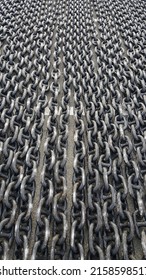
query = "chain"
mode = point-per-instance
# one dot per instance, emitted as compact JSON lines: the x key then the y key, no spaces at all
{"x":79,"y":182}
{"x":94,"y":54}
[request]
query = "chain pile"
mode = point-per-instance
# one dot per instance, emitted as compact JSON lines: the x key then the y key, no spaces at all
{"x":80,"y":62}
